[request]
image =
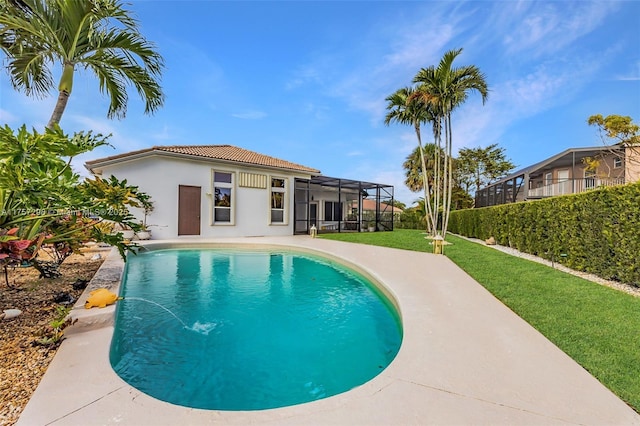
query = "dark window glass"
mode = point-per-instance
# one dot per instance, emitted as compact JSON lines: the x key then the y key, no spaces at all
{"x":332,"y":211}
{"x":277,"y":216}
{"x":337,"y":211}
{"x":222,"y":215}
{"x":222,"y":177}
{"x":328,"y":210}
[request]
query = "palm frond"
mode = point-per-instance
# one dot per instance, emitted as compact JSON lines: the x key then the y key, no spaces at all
{"x":111,"y":83}
{"x":101,"y":35}
{"x":28,"y":72}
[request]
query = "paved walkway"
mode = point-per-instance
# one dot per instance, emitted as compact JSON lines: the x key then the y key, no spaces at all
{"x":465,"y":359}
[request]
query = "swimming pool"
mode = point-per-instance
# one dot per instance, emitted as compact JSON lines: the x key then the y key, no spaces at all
{"x":233,"y":329}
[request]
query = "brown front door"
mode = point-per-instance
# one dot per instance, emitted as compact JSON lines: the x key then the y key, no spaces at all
{"x":188,"y":210}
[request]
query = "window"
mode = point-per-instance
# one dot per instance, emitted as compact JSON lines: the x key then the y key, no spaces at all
{"x":278,"y":193}
{"x":548,"y":178}
{"x":332,"y":211}
{"x":223,"y":195}
{"x":564,"y":185}
{"x":617,"y":162}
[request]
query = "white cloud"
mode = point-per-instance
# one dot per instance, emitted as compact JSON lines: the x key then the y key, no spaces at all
{"x":476,"y":125}
{"x":534,"y":91}
{"x":548,"y":27}
{"x":537,"y":29}
{"x":550,"y":84}
{"x":544,"y":34}
{"x":389,"y":59}
{"x":418,"y":45}
{"x":632,"y":75}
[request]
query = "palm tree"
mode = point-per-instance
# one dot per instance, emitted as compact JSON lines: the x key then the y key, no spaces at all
{"x":445,"y":88}
{"x":412,"y":166}
{"x":99,"y":35}
{"x":421,"y":212}
{"x":413,"y":171}
{"x":405,"y":108}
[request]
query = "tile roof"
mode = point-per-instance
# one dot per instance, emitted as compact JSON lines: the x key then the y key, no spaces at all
{"x":369,"y":205}
{"x":218,"y":152}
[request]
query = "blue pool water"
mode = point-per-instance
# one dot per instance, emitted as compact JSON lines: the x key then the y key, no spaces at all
{"x":248,"y":330}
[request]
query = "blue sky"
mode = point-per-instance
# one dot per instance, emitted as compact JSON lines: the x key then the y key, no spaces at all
{"x":306,"y":81}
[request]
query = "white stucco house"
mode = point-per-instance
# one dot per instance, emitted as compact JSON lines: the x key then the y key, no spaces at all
{"x":225,"y":191}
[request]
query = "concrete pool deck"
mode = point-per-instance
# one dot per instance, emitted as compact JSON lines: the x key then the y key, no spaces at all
{"x":465,"y":359}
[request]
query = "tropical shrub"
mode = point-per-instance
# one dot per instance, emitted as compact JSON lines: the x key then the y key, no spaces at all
{"x":595,"y":231}
{"x":44,"y":204}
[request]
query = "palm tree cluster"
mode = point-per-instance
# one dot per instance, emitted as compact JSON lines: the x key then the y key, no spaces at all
{"x":436,"y":92}
{"x":99,"y":35}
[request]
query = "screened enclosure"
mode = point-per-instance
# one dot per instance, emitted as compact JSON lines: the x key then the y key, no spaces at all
{"x":338,"y":205}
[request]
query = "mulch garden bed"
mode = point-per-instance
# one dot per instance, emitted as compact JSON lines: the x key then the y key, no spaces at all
{"x":22,"y":360}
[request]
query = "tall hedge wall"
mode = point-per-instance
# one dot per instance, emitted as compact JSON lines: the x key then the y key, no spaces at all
{"x":596,"y":231}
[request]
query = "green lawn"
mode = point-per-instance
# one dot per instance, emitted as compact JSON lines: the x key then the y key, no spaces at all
{"x":597,"y":326}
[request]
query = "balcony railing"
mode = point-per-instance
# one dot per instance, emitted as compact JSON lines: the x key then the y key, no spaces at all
{"x":573,"y":186}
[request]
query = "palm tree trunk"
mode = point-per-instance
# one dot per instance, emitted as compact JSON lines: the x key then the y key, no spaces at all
{"x":437,"y":174}
{"x":445,"y":177}
{"x":61,"y":104}
{"x":425,"y":185}
{"x":65,"y":86}
{"x":449,"y":177}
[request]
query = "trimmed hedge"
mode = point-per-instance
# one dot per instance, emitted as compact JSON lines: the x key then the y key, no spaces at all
{"x":596,"y":231}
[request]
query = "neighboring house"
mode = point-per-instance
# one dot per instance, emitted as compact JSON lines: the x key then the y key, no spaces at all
{"x":226,"y":191}
{"x":569,"y":172}
{"x":372,"y":209}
